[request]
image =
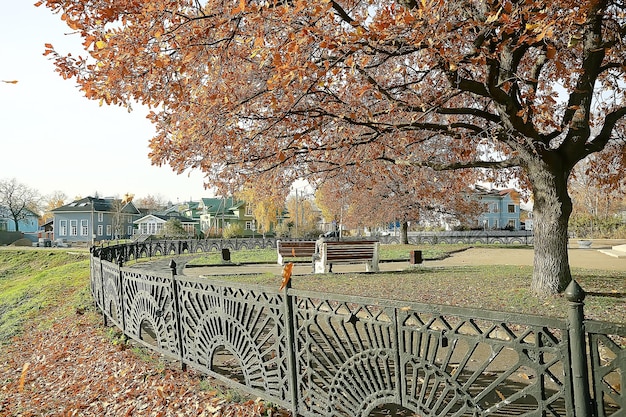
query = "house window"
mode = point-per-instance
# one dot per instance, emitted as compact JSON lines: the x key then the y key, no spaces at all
{"x":73,"y":227}
{"x":100,"y":217}
{"x":511,"y":208}
{"x":511,"y":224}
{"x":3,"y":225}
{"x":129,"y":230}
{"x":248,"y":225}
{"x":100,"y":230}
{"x":83,"y":228}
{"x":249,"y":210}
{"x":108,"y":230}
{"x":63,"y":228}
{"x":496,"y":224}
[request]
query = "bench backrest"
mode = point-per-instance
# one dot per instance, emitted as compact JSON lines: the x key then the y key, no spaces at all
{"x":296,"y":248}
{"x":348,"y":250}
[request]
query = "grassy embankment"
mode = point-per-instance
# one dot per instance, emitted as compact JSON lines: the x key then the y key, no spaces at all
{"x":39,"y":285}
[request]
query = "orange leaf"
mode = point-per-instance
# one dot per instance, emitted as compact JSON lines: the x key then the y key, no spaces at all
{"x":287,"y":269}
{"x":23,"y":376}
{"x":240,"y":8}
{"x":502,"y":397}
{"x":10,"y":82}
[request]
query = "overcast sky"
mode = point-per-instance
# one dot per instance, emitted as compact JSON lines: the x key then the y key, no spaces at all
{"x":54,"y":139}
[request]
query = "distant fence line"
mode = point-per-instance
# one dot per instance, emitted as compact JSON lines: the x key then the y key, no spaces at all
{"x":321,"y":354}
{"x":505,"y":237}
{"x":162,"y":247}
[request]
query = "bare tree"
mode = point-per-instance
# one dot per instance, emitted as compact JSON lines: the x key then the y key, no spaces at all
{"x":18,"y":200}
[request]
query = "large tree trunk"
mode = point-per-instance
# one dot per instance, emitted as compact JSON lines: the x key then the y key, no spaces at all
{"x":551,"y":212}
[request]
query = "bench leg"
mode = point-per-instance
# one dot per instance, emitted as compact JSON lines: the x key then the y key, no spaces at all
{"x":371,"y":267}
{"x":319,"y":267}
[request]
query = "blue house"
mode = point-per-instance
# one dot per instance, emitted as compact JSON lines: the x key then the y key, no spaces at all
{"x":502,"y":208}
{"x":28,"y":223}
{"x":93,"y":219}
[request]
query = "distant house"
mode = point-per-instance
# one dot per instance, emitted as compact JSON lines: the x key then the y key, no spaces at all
{"x":218,"y":213}
{"x":153,"y":224}
{"x":502,"y":208}
{"x":92,"y":219}
{"x":28,"y":224}
{"x":46,"y":230}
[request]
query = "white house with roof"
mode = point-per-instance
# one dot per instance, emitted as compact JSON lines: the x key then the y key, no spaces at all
{"x":153,"y":224}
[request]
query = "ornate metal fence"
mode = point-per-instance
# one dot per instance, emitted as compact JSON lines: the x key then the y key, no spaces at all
{"x":504,"y":237}
{"x":328,"y":355}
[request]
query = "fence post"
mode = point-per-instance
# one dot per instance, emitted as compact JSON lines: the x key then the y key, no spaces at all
{"x":291,"y":348}
{"x":177,"y":314}
{"x":578,"y":354}
{"x":120,"y":287}
{"x":97,"y":255}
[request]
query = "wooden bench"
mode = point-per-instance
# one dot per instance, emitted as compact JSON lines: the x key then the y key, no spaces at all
{"x":347,"y":252}
{"x":295,"y":249}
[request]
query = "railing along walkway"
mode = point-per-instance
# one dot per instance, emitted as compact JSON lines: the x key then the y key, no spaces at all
{"x":327,"y":355}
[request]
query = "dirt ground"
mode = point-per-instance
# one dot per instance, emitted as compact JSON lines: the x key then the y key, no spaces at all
{"x":590,"y":258}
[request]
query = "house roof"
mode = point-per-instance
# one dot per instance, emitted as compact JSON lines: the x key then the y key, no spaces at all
{"x":97,"y":204}
{"x":221,"y":205}
{"x":166,"y":217}
{"x":513,"y":194}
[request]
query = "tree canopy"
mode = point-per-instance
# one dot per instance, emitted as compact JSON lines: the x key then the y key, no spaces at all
{"x":302,"y":88}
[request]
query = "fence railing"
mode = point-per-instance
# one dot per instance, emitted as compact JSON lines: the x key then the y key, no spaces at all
{"x":323,"y":354}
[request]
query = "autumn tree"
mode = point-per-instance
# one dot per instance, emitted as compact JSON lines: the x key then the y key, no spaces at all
{"x":18,"y":200}
{"x":266,"y":200}
{"x":300,"y":88}
{"x":387,"y":193}
{"x":173,"y":228}
{"x":595,"y":201}
{"x":303,"y":215}
{"x":53,"y":200}
{"x":152,"y":203}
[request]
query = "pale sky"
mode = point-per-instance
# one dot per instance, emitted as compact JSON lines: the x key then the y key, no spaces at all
{"x":54,"y":139}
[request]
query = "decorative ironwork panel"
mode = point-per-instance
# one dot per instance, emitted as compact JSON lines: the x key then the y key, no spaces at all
{"x":354,"y":355}
{"x":607,"y":344}
{"x":149,"y":313}
{"x":454,"y":363}
{"x":247,"y":323}
{"x":345,"y":356}
{"x":112,"y":294}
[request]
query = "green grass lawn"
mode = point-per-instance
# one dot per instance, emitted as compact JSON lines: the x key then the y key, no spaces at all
{"x":33,"y":282}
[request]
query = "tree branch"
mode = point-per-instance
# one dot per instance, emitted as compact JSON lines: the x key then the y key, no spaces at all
{"x":438,"y":166}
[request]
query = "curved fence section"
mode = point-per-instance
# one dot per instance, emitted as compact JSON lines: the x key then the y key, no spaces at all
{"x":328,"y":355}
